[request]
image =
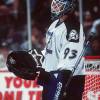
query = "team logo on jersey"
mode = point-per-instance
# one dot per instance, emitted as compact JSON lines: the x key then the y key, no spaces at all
{"x":73,"y":36}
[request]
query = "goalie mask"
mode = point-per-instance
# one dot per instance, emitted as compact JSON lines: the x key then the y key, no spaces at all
{"x":22,"y":64}
{"x":61,"y":7}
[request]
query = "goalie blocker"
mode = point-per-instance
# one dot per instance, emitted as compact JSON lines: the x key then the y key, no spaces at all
{"x":23,"y":65}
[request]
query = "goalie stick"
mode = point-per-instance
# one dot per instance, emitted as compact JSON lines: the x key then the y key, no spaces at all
{"x":84,"y":48}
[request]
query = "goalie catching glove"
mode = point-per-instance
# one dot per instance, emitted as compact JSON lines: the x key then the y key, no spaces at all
{"x":22,"y":64}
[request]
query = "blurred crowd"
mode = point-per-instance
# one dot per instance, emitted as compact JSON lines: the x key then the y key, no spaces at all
{"x":13,"y":24}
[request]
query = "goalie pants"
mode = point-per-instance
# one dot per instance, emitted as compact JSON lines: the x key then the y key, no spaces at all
{"x":55,"y":88}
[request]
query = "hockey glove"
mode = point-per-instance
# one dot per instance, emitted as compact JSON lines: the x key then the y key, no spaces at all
{"x":22,"y":64}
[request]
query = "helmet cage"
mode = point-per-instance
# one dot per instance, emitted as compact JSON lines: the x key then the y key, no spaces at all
{"x":61,"y":7}
{"x":57,"y":6}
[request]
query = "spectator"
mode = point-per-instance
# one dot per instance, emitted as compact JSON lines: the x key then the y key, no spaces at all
{"x":93,"y":6}
{"x":95,"y":27}
{"x":3,"y":54}
{"x":41,"y":13}
{"x":8,"y":15}
{"x":94,"y":38}
{"x":87,"y":22}
{"x":37,"y":39}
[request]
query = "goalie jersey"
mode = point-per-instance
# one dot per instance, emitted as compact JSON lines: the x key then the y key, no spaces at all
{"x":64,"y":45}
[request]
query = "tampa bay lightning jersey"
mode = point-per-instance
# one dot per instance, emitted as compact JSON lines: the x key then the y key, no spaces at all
{"x":64,"y":45}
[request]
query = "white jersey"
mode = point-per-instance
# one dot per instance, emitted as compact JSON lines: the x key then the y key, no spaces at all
{"x":62,"y":50}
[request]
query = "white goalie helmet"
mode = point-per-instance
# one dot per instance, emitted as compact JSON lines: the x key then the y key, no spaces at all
{"x":61,"y":7}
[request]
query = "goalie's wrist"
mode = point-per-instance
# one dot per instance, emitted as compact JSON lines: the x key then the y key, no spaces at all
{"x":43,"y":76}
